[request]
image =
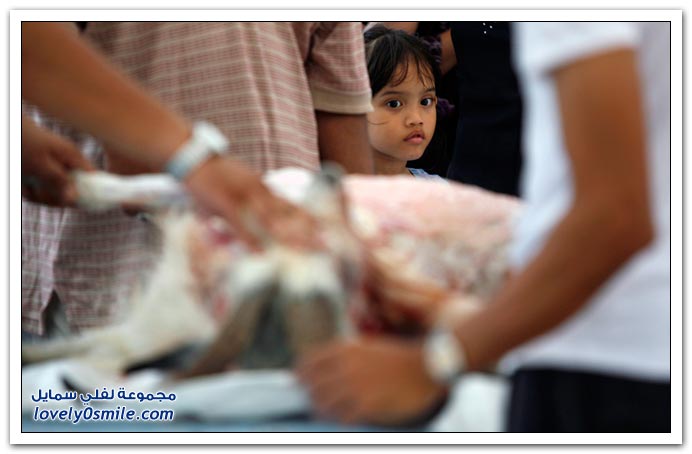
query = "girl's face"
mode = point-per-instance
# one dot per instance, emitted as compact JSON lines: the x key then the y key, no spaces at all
{"x":402,"y":122}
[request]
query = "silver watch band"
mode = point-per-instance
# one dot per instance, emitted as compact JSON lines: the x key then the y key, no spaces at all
{"x":206,"y":141}
{"x":443,"y":356}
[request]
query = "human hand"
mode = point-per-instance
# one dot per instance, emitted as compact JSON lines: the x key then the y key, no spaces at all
{"x":47,"y":160}
{"x":372,"y":380}
{"x":401,"y":301}
{"x":120,"y":164}
{"x":229,"y":189}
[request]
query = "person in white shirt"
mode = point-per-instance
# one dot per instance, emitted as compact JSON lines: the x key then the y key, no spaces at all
{"x":584,"y":322}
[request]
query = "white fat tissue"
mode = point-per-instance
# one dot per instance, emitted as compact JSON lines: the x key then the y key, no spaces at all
{"x":101,"y":190}
{"x":241,"y":309}
{"x":448,"y":234}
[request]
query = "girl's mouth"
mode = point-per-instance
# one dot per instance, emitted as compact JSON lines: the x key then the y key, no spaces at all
{"x":416,"y":138}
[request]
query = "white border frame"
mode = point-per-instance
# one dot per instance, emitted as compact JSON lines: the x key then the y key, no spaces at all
{"x":16,"y":16}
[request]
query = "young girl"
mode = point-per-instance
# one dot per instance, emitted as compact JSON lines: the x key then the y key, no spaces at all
{"x":402,"y":77}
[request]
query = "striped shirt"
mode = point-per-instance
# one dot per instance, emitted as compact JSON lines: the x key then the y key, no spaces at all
{"x":260,"y":83}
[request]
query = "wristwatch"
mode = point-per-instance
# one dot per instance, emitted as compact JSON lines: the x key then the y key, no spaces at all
{"x":206,"y":141}
{"x":443,"y":356}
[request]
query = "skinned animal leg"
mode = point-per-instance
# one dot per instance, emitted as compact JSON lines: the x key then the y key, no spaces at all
{"x":234,"y":336}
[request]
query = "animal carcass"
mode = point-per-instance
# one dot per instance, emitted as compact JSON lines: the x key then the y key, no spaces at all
{"x":262,"y":309}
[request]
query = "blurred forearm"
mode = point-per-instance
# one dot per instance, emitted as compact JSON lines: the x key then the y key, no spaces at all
{"x":343,"y":139}
{"x":609,"y":220}
{"x":449,"y":57}
{"x":580,"y":255}
{"x":67,"y":79}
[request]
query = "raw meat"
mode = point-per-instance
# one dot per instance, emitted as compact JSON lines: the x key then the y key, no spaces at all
{"x":262,"y":310}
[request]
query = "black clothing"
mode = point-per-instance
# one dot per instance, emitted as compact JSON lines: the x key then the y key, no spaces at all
{"x":487,"y":150}
{"x":548,"y":400}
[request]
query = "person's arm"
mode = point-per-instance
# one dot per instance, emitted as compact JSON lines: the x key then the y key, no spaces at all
{"x":608,"y":222}
{"x":343,"y":139}
{"x":47,"y":160}
{"x":68,"y":79}
{"x":448,"y":58}
{"x":338,"y":80}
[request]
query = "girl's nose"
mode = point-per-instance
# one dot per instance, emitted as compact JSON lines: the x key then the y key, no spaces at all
{"x":414,"y":118}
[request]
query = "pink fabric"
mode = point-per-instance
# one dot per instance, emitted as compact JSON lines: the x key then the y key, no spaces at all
{"x":260,"y":83}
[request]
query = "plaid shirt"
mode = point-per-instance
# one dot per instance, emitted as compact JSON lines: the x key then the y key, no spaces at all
{"x":260,"y":83}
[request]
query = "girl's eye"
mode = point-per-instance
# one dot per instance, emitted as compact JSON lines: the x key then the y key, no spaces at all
{"x":394,"y":104}
{"x":427,"y":102}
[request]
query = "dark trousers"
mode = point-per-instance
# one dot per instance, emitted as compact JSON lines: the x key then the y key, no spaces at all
{"x":548,"y":400}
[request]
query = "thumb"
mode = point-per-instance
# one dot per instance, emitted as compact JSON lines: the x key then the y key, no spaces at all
{"x":69,"y":194}
{"x":69,"y":155}
{"x":56,"y":184}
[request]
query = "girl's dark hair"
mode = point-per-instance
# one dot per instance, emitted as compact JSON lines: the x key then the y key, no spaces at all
{"x":387,"y":49}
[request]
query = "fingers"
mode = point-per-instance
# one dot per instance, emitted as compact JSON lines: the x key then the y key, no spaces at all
{"x":244,"y":227}
{"x":69,"y":155}
{"x":339,"y":405}
{"x":43,"y":196}
{"x":325,"y":373}
{"x":317,"y":370}
{"x":320,"y":358}
{"x":292,"y":225}
{"x":280,"y":220}
{"x":400,"y":298}
{"x":227,"y":188}
{"x":71,"y":159}
{"x":369,"y":380}
{"x":329,"y":399}
{"x":47,"y":160}
{"x":50,"y":185}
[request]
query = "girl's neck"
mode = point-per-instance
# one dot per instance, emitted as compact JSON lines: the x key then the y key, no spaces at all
{"x":386,"y":165}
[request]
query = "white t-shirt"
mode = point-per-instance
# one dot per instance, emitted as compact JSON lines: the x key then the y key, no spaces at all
{"x":625,"y":328}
